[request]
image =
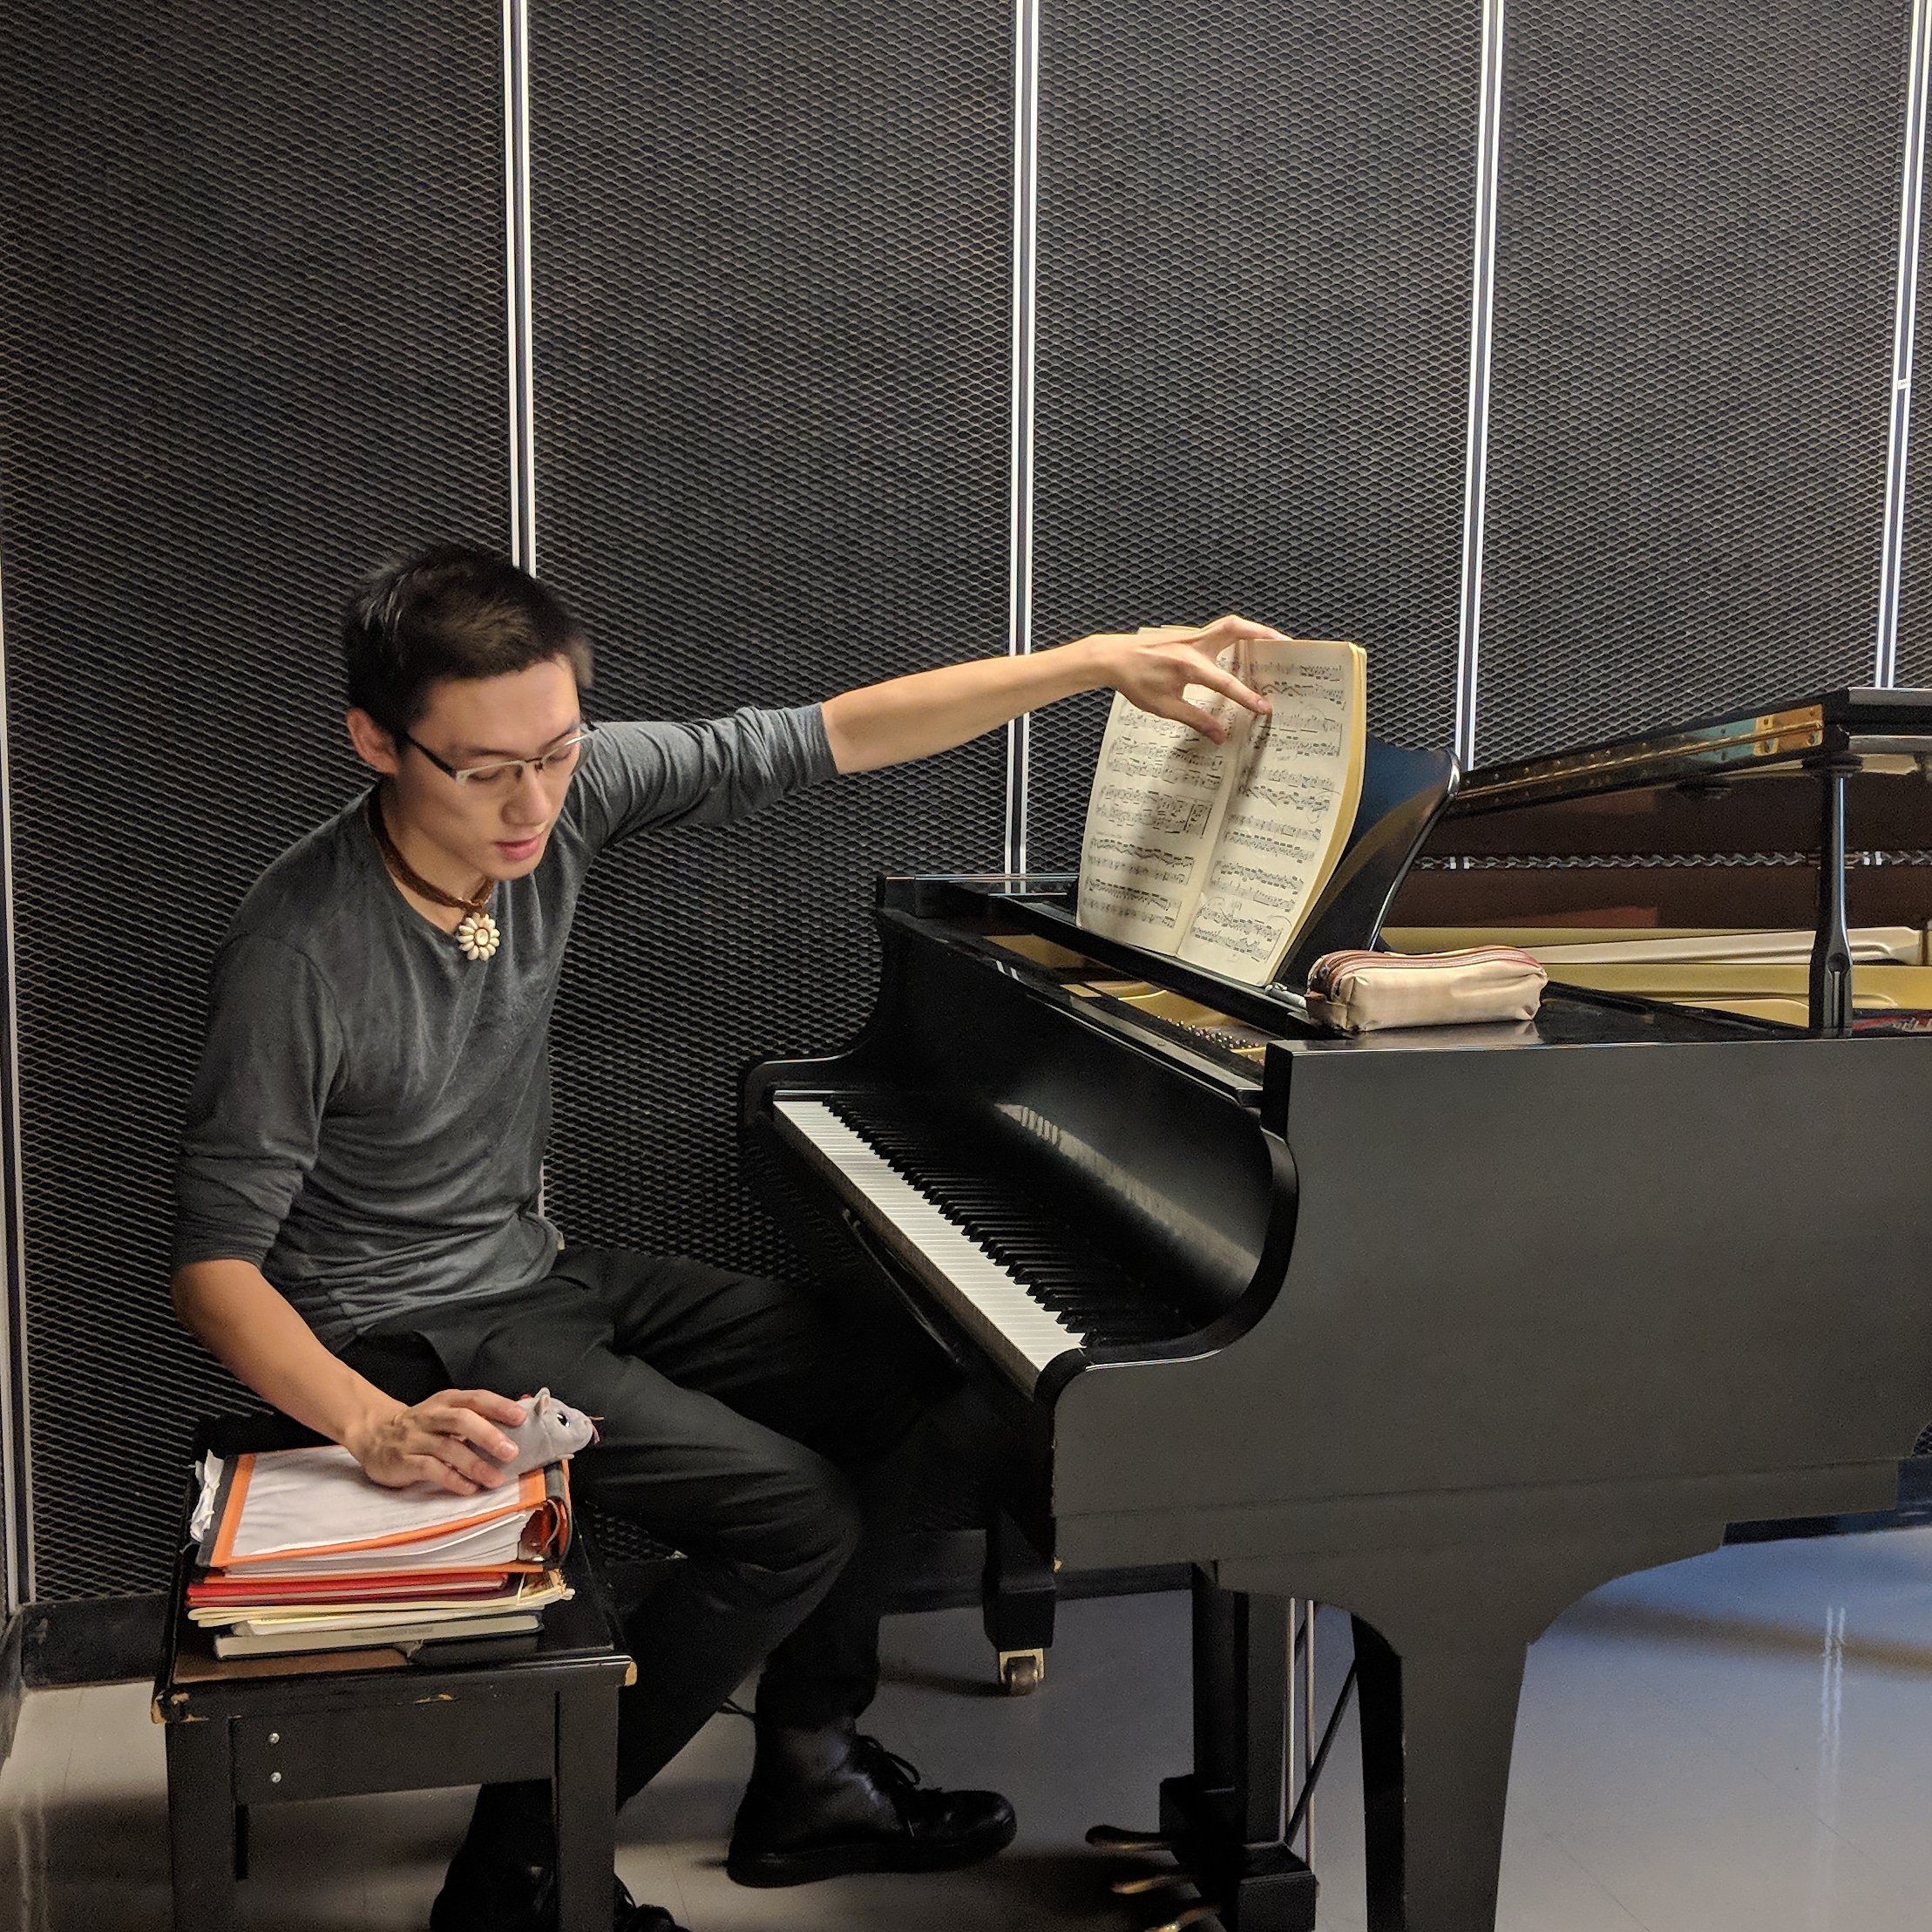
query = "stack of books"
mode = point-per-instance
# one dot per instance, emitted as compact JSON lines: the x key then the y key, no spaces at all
{"x":298,"y":1550}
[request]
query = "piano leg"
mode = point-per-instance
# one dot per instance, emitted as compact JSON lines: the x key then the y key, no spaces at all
{"x":1224,"y":1820}
{"x":1437,"y":1727}
{"x":1017,"y":1599}
{"x":1441,"y":1638}
{"x":1831,"y":951}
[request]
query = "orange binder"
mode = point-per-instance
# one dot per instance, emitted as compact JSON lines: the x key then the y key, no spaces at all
{"x":295,"y":1511}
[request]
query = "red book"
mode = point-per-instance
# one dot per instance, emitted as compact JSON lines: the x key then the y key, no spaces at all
{"x":367,"y":1588}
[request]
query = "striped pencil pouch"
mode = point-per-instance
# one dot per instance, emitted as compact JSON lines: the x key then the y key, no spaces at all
{"x":1363,"y":991}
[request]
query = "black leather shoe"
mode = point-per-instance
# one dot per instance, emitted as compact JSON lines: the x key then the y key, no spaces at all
{"x":486,"y":1891}
{"x":822,"y":1803}
{"x":642,"y":1918}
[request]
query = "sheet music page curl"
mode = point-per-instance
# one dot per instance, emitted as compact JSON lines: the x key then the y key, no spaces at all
{"x":1159,"y":792}
{"x":1291,"y":806}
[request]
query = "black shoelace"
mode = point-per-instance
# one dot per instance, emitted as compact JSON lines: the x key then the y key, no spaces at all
{"x":887,"y":1766}
{"x":883,"y":1763}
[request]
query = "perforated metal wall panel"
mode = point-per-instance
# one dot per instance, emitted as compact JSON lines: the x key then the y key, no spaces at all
{"x":1254,"y":247}
{"x":1695,"y":272}
{"x":771,"y":277}
{"x":251,"y":330}
{"x":1914,"y":633}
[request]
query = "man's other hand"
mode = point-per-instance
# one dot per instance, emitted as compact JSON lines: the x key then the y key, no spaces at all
{"x":1153,"y":668}
{"x":451,"y":1440}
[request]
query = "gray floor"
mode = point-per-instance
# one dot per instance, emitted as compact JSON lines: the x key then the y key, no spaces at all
{"x":1744,"y":1741}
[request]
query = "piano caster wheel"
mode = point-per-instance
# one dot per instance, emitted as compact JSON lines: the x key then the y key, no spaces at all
{"x":1021,"y":1672}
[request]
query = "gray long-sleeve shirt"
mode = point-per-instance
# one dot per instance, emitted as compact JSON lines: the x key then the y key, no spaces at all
{"x":369,"y":1119}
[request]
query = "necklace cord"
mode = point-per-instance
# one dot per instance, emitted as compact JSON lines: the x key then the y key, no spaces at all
{"x":405,"y":874}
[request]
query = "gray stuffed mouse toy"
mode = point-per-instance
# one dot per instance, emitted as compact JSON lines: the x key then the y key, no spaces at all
{"x":548,"y":1432}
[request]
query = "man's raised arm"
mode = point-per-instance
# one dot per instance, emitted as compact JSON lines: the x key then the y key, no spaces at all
{"x":450,"y":1440}
{"x":912,"y":717}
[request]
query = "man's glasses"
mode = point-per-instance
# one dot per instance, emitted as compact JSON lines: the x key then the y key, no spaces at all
{"x":508,"y":775}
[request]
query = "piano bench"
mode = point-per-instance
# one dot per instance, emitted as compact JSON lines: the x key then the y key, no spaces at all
{"x":243,"y":1732}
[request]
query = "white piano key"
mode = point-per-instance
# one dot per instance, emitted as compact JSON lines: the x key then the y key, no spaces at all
{"x":991,"y":1302}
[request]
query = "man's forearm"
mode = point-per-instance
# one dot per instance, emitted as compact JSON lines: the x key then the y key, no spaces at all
{"x":912,"y":717}
{"x":243,"y":1318}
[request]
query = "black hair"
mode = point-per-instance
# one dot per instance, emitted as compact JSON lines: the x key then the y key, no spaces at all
{"x":454,"y":610}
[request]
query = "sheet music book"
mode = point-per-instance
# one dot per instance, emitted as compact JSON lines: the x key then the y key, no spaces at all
{"x":1217,"y":853}
{"x":287,"y":1513}
{"x":300,"y":1553}
{"x":249,"y":1641}
{"x":262,"y":1605}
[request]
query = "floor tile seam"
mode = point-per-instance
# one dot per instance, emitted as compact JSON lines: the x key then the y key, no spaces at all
{"x":72,"y":1740}
{"x":1535,"y":1814}
{"x":1913,"y":1881}
{"x":1806,"y":1801}
{"x":1690,"y":1710}
{"x":661,"y":1877}
{"x":1800,"y":1791}
{"x":1716,"y":1830}
{"x":1569,"y":1857}
{"x":38,"y":1710}
{"x":107,"y":1761}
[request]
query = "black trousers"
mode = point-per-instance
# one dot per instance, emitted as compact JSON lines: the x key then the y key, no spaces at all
{"x":738,"y":1422}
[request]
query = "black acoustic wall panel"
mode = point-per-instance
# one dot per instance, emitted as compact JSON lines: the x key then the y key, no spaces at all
{"x":251,"y":327}
{"x":771,"y":278}
{"x":1695,"y":270}
{"x":1914,"y":631}
{"x":1255,"y":231}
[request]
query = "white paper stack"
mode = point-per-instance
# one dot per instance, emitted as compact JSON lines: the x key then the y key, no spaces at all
{"x":300,"y":1551}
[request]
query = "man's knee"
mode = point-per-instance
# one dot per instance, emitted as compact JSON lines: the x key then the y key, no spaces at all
{"x":819,"y":1528}
{"x":777,"y":1528}
{"x":841,"y":1529}
{"x":783,"y":1560}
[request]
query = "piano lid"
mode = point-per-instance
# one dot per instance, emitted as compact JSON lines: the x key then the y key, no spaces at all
{"x":1714,"y":827}
{"x":1865,"y":722}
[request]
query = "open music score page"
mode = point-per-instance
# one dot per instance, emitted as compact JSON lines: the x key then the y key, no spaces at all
{"x":1217,"y":853}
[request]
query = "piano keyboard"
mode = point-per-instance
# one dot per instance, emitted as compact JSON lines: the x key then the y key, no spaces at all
{"x":1007,"y":1270}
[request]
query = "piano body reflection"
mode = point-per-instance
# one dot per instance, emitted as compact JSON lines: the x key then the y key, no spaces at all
{"x":1446,"y":1326}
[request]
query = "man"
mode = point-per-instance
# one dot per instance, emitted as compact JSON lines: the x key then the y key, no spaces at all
{"x":360,"y":1237}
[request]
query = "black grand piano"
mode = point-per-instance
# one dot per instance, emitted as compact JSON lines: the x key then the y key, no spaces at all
{"x":1444,"y":1326}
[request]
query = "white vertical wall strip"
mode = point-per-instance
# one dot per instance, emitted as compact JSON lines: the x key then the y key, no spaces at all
{"x":1904,"y":318}
{"x":516,"y":201}
{"x":1026,"y":222}
{"x":15,"y":1450}
{"x":1483,"y":288}
{"x":523,"y":378}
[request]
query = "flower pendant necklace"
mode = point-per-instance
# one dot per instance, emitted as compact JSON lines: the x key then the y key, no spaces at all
{"x":477,"y":935}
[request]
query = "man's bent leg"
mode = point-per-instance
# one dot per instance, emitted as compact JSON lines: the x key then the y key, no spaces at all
{"x":823,"y":1800}
{"x":775,"y":1355}
{"x":765,"y":1526}
{"x":828,"y":1667}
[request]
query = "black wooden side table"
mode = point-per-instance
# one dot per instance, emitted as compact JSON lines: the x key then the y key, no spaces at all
{"x":269,"y":1730}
